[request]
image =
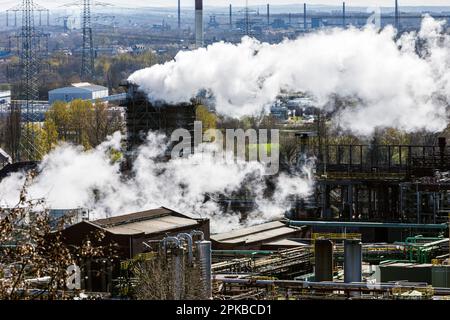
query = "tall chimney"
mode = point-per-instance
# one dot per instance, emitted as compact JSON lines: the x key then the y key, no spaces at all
{"x":199,"y":23}
{"x":268,"y":14}
{"x":179,"y":14}
{"x":343,"y":15}
{"x":304,"y":16}
{"x":397,"y":17}
{"x":231,"y":17}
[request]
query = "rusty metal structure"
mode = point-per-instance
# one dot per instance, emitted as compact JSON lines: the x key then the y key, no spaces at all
{"x":379,"y":183}
{"x":143,"y":116}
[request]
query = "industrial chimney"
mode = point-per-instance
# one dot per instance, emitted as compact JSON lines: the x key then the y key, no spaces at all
{"x":198,"y":23}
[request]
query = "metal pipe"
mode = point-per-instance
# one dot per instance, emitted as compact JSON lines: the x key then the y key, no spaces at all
{"x":242,"y":252}
{"x":195,"y":233}
{"x":345,"y":224}
{"x":327,"y":284}
{"x":188,"y":238}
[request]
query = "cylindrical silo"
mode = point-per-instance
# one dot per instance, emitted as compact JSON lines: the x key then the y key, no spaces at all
{"x":352,"y":261}
{"x":323,"y":252}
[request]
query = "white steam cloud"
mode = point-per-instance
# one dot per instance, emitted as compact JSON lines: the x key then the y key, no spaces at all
{"x":389,"y":81}
{"x":70,"y":177}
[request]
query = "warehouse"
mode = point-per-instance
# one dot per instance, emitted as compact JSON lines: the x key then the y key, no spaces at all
{"x":83,"y":90}
{"x":129,"y":231}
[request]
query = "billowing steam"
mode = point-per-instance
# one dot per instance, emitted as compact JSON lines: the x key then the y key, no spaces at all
{"x":70,"y":177}
{"x":389,"y":82}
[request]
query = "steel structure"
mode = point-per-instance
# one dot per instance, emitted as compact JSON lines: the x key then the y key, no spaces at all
{"x":87,"y":51}
{"x":87,"y":54}
{"x":30,"y":48}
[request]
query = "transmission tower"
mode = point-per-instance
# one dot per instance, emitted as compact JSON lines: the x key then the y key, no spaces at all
{"x":87,"y":55}
{"x":29,"y":47}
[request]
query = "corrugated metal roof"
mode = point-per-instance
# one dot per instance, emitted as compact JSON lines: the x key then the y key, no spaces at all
{"x":257,"y":233}
{"x":156,"y":225}
{"x":247,"y":231}
{"x":149,"y":221}
{"x":135,"y":216}
{"x":261,"y":236}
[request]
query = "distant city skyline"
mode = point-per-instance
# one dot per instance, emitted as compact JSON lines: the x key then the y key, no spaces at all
{"x":5,"y":4}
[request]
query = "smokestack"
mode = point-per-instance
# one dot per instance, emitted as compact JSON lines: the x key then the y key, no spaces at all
{"x":179,"y":14}
{"x":231,"y":17}
{"x":343,"y":14}
{"x":396,"y":15}
{"x":268,"y":14}
{"x":304,"y":16}
{"x":199,"y":23}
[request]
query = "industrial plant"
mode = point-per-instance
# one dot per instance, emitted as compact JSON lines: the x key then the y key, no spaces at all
{"x":202,"y":151}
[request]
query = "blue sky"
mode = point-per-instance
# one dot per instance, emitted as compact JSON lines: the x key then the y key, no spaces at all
{"x":4,"y":4}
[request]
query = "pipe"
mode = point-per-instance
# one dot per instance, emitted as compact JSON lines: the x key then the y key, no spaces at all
{"x":198,"y":233}
{"x":344,"y":224}
{"x":188,"y":238}
{"x":242,"y":252}
{"x":169,"y":240}
{"x":327,"y":284}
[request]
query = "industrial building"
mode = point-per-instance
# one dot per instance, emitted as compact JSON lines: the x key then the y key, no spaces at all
{"x":83,"y":90}
{"x":143,"y":115}
{"x":5,"y":98}
{"x":131,"y":230}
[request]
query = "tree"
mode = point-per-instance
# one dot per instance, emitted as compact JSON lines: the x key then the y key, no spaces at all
{"x":34,"y":259}
{"x":208,"y":119}
{"x":80,"y":122}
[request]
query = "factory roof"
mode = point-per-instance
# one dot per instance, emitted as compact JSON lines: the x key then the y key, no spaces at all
{"x":263,"y":233}
{"x":76,"y":87}
{"x":146,"y":222}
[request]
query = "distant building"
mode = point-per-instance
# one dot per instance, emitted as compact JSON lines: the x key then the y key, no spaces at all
{"x":84,"y":90}
{"x":130,"y":231}
{"x":5,"y":98}
{"x":279,"y":112}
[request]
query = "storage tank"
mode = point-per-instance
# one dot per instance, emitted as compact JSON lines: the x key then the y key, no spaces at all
{"x":204,"y":259}
{"x":323,"y":251}
{"x":352,"y":261}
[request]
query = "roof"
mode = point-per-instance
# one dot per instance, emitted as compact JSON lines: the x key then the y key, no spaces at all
{"x":285,"y":243}
{"x":149,"y":221}
{"x":262,"y":232}
{"x":79,"y":87}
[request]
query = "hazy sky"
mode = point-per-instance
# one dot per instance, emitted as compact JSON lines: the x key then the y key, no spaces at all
{"x":4,"y":4}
